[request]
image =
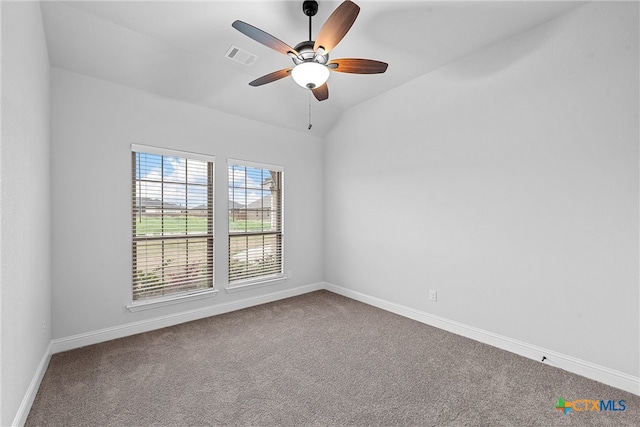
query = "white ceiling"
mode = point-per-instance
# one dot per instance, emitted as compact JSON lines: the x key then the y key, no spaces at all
{"x":177,"y":49}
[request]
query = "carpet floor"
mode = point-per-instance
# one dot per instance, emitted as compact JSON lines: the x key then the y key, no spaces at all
{"x":319,"y":359}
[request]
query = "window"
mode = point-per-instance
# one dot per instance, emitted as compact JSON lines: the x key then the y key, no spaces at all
{"x":255,"y":222}
{"x":172,"y":219}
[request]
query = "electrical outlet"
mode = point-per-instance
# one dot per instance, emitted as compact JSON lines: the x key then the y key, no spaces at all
{"x":433,"y":295}
{"x":288,"y":275}
{"x":44,"y":327}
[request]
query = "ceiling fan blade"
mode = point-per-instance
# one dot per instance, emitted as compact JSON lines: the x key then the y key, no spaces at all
{"x":263,"y":37}
{"x":336,"y":26}
{"x":271,"y":77}
{"x":321,"y":92}
{"x":358,"y":66}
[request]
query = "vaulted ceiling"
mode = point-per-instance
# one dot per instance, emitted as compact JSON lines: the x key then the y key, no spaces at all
{"x":177,"y":49}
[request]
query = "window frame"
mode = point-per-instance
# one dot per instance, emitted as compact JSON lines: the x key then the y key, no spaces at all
{"x":209,"y":235}
{"x":246,"y":283}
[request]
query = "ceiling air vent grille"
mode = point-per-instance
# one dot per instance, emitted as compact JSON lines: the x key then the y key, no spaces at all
{"x":241,"y":56}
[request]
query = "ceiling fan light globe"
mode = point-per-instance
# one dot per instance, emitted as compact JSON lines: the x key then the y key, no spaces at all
{"x":310,"y":75}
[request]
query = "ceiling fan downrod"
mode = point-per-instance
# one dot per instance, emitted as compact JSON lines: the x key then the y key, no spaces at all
{"x":310,"y":8}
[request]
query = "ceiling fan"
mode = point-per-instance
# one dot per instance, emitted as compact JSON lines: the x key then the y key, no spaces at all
{"x":311,"y":58}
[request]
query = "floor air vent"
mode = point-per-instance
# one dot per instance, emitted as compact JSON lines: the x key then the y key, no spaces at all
{"x":241,"y":56}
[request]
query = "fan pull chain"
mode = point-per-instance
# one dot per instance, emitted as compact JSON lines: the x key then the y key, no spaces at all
{"x":309,"y":111}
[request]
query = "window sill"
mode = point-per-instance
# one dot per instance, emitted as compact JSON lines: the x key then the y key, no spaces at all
{"x":170,"y":300}
{"x":246,"y":285}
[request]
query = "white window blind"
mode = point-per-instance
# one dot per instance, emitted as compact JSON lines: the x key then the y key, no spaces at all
{"x":255,"y":222}
{"x":172,"y":222}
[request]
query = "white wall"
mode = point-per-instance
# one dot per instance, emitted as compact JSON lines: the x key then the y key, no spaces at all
{"x":93,"y":125}
{"x":25,"y":265}
{"x":508,"y":182}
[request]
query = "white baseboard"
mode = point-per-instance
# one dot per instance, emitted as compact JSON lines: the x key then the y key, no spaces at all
{"x":94,"y":337}
{"x":583,"y":368}
{"x":30,"y":395}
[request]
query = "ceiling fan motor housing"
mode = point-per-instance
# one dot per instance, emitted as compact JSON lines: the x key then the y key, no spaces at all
{"x":307,"y":54}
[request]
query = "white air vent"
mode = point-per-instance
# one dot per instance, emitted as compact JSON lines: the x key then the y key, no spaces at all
{"x":241,"y":56}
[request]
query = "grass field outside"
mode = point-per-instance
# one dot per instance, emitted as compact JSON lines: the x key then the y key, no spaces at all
{"x":192,"y":224}
{"x":178,"y":224}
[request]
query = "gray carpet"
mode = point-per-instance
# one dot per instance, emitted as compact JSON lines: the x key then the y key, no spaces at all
{"x":316,"y":359}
